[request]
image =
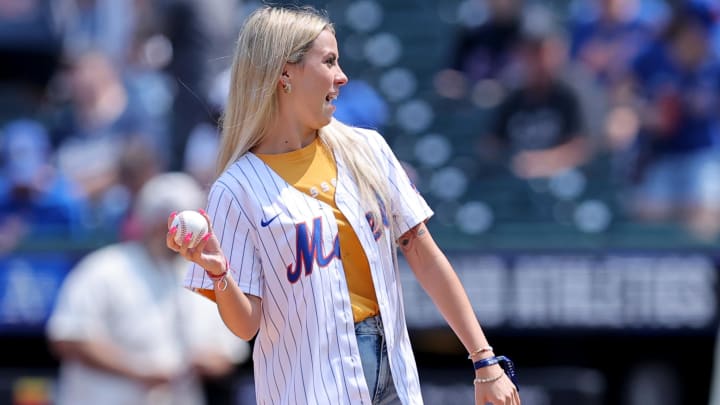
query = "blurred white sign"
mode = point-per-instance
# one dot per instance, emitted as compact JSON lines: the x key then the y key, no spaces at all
{"x":672,"y":291}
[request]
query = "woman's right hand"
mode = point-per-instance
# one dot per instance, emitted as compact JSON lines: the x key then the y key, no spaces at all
{"x":207,"y":254}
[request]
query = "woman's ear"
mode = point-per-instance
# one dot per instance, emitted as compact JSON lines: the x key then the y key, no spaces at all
{"x":285,"y":82}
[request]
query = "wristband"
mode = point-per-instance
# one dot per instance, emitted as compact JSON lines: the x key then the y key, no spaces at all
{"x":506,"y":364}
{"x":488,"y":362}
{"x":218,"y":277}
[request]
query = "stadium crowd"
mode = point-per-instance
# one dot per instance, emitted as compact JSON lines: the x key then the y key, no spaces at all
{"x":98,"y":97}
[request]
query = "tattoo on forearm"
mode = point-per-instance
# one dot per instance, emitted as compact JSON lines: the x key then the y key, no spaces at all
{"x":406,"y":241}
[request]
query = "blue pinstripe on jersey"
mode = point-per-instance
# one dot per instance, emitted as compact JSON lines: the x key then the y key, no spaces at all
{"x":274,"y":267}
{"x":279,"y":183}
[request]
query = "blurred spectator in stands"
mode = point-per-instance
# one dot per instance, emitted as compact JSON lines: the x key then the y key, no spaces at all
{"x":361,"y":105}
{"x":714,"y":7}
{"x":100,"y":24}
{"x":204,"y":141}
{"x":607,"y":41}
{"x":110,"y":40}
{"x":606,"y":37}
{"x":188,"y":41}
{"x":540,"y":122}
{"x":137,"y":164}
{"x":30,"y":46}
{"x":36,"y":203}
{"x":484,"y":50}
{"x":202,"y":35}
{"x":92,"y":130}
{"x":98,"y":104}
{"x":676,"y":166}
{"x":126,"y":330}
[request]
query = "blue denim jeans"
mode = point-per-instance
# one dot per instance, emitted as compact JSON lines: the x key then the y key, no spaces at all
{"x":373,"y":354}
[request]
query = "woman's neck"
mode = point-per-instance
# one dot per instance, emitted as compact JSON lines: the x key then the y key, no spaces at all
{"x":285,"y":138}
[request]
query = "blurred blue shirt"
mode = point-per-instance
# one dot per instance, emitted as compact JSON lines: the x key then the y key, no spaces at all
{"x":359,"y":104}
{"x":690,"y":95}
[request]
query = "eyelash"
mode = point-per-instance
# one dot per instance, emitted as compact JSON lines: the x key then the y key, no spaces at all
{"x":331,"y":61}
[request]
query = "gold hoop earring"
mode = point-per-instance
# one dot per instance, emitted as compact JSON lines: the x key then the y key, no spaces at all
{"x":287,"y":88}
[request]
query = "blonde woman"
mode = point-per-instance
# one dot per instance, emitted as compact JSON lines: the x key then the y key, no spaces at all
{"x":306,"y":214}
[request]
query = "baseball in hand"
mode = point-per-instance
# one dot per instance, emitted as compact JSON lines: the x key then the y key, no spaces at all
{"x":189,"y":222}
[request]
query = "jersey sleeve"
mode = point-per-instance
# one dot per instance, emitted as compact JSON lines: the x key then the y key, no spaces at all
{"x":233,"y":230}
{"x":407,"y":207}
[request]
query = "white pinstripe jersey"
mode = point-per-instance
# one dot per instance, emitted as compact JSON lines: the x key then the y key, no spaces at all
{"x":283,"y":247}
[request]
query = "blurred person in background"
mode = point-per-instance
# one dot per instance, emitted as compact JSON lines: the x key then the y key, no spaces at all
{"x":36,"y":202}
{"x":180,"y":44}
{"x":204,"y":141}
{"x":125,"y":329}
{"x":675,"y":166}
{"x":608,"y":40}
{"x":100,"y":24}
{"x":482,"y":49}
{"x":363,"y":107}
{"x":100,"y":118}
{"x":200,"y":33}
{"x":606,"y":36}
{"x":138,"y":163}
{"x":31,"y":34}
{"x":539,"y":125}
{"x":97,"y":103}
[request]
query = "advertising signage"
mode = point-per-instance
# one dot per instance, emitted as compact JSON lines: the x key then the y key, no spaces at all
{"x":639,"y":292}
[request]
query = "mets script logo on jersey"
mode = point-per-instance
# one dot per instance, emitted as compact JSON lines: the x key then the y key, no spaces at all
{"x":310,"y":250}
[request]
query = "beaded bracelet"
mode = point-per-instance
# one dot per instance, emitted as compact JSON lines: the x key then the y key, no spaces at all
{"x":489,"y":379}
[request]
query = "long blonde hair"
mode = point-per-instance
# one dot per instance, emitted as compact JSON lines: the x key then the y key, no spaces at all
{"x":270,"y":38}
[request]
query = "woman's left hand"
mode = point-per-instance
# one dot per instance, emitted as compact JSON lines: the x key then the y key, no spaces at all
{"x":499,"y":392}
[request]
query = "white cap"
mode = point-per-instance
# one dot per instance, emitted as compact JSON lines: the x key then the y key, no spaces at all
{"x":165,"y":193}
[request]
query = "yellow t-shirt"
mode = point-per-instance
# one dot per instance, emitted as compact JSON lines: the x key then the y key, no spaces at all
{"x":312,"y":170}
